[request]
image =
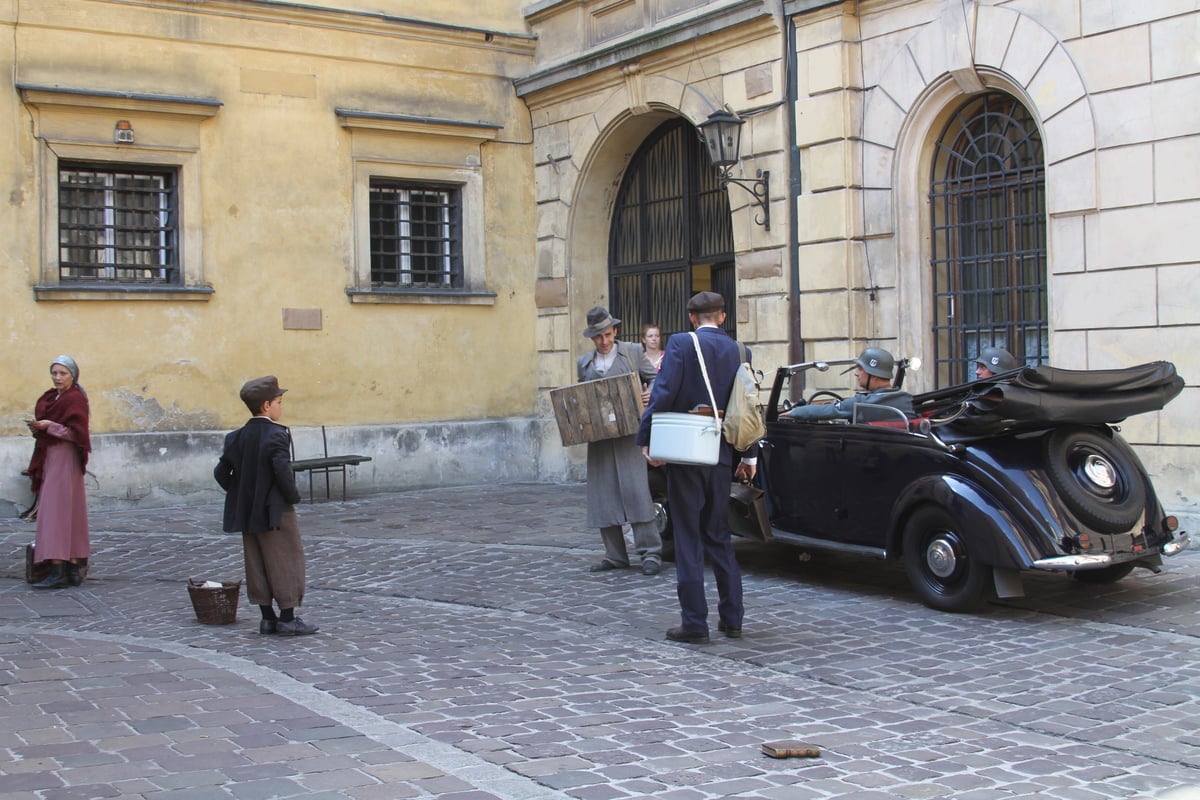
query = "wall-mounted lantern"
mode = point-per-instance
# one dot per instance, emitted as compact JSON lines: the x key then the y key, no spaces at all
{"x":722,"y":133}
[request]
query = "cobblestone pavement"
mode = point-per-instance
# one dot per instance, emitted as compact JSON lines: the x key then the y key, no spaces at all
{"x":467,"y":653}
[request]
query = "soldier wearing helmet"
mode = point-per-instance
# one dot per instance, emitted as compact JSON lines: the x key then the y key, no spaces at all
{"x":873,"y":374}
{"x":992,"y":361}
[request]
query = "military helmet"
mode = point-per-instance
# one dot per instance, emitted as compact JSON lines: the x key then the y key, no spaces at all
{"x":997,"y":359}
{"x":877,"y":362}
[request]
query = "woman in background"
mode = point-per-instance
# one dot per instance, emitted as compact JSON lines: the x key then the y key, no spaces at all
{"x":62,"y":442}
{"x":652,"y":344}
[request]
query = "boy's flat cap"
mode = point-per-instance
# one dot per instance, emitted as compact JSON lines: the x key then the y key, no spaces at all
{"x":257,"y":391}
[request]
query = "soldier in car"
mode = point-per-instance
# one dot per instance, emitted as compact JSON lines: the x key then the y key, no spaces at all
{"x":873,"y":371}
{"x":992,"y":361}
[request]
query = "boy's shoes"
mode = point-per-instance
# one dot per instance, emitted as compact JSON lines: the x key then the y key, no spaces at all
{"x":294,"y":627}
{"x":267,"y":626}
{"x":651,"y":567}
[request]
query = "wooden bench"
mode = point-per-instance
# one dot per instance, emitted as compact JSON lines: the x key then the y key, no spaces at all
{"x":326,"y":464}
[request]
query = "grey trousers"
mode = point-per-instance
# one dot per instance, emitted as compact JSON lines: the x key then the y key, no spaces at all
{"x":645,"y":539}
{"x":275,"y":564}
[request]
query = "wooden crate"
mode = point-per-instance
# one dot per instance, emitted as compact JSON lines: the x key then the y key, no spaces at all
{"x":596,"y":410}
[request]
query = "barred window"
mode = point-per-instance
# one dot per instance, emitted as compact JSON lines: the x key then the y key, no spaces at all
{"x":416,"y":235}
{"x":118,"y":224}
{"x":987,"y":190}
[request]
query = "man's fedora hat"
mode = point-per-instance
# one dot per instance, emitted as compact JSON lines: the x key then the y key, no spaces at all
{"x":599,"y":320}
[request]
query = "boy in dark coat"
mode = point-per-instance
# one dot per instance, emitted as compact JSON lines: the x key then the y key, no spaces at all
{"x":260,"y":494}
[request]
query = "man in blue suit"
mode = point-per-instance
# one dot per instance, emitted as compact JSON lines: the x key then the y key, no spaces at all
{"x":699,"y":495}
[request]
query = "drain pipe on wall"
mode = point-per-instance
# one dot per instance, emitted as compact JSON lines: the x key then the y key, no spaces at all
{"x":791,"y":82}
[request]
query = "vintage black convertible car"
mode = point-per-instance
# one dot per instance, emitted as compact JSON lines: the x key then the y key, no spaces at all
{"x":1022,"y":471}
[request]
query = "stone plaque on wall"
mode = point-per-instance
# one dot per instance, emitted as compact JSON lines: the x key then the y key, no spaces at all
{"x":614,"y":20}
{"x":669,"y":8}
{"x":302,"y":319}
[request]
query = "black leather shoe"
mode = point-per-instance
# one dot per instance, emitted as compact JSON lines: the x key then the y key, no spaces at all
{"x":732,"y":633}
{"x":604,"y":566}
{"x":294,"y":627}
{"x":74,"y":577}
{"x":651,"y":567}
{"x":267,"y":626}
{"x":686,"y":636}
{"x":55,"y":579}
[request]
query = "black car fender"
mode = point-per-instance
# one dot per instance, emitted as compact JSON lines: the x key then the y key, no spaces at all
{"x":991,"y":534}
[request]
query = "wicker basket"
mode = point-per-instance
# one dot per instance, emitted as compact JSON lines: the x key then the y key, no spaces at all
{"x":215,"y":606}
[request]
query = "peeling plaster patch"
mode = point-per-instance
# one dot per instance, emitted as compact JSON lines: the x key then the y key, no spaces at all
{"x":147,"y":414}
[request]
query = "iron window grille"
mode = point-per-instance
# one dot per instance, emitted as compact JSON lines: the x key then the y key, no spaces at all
{"x":987,"y":195}
{"x":416,"y":236}
{"x":118,"y":224}
{"x":671,"y":234}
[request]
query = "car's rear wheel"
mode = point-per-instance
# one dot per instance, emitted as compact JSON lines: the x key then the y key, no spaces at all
{"x":1095,"y":479}
{"x":939,"y":563}
{"x":1104,"y":574}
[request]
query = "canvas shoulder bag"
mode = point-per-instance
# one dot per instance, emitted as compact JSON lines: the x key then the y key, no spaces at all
{"x":743,"y":420}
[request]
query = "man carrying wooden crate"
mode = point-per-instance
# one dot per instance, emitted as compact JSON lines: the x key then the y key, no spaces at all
{"x":617,"y":486}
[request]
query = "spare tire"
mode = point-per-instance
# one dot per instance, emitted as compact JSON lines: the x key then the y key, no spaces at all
{"x":1097,"y":481}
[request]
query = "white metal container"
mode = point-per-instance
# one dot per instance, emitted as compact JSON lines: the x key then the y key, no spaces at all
{"x":685,"y":438}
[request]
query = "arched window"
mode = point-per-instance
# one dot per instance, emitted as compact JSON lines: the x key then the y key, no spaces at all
{"x":987,"y":195}
{"x":671,"y":234}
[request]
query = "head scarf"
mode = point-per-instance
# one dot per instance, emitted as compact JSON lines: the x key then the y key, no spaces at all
{"x":72,"y":367}
{"x":69,"y":363}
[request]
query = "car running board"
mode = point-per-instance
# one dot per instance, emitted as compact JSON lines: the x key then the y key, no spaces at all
{"x":800,"y":540}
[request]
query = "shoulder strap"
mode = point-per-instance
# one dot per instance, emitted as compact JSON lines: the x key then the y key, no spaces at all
{"x":704,"y":372}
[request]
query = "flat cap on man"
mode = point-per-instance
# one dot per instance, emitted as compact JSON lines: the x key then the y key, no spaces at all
{"x":257,"y":391}
{"x":705,"y":303}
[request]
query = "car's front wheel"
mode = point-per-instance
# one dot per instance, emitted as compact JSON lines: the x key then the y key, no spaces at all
{"x":939,"y":563}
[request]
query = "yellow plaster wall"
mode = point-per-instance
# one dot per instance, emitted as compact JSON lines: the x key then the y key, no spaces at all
{"x":276,"y":222}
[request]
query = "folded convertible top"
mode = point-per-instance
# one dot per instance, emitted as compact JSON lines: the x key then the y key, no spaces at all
{"x":1032,"y":397}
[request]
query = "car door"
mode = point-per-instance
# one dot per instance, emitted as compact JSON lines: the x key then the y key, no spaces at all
{"x":804,"y":466}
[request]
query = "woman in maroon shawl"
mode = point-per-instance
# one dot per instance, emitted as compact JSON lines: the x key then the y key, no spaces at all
{"x":60,"y":453}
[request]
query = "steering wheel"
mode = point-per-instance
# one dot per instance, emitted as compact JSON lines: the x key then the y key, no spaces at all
{"x":824,"y":393}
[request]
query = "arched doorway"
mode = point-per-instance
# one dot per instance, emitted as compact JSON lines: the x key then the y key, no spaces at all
{"x":988,"y":237}
{"x":671,"y":234}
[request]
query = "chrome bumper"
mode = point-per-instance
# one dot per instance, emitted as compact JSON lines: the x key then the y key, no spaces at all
{"x":1176,"y":545}
{"x":1079,"y":562}
{"x":1074,"y":562}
